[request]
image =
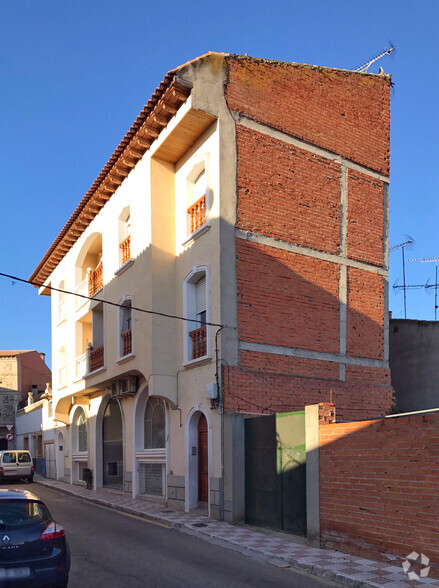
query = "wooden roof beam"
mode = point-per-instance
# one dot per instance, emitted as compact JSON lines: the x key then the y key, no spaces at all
{"x":142,"y":142}
{"x":168,"y":107}
{"x":158,"y":118}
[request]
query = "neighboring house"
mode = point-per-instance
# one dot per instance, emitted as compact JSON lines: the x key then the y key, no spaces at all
{"x":35,"y":431}
{"x":23,"y":375}
{"x":414,"y":349}
{"x":249,"y":197}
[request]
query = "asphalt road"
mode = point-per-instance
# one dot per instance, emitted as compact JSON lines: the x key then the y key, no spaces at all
{"x":115,"y":550}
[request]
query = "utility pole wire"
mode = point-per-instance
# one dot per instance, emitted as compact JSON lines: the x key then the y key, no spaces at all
{"x":154,"y":312}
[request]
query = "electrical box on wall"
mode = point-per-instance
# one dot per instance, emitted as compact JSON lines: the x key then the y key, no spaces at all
{"x":212,"y":391}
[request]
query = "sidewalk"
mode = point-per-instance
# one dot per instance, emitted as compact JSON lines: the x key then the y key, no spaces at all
{"x":339,"y":567}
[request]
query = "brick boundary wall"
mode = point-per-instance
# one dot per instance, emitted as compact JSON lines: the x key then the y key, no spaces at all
{"x":379,"y":485}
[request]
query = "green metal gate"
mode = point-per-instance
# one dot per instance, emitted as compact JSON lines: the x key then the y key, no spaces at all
{"x":275,"y":472}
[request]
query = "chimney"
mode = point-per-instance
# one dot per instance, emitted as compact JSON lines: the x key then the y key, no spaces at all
{"x":42,"y":355}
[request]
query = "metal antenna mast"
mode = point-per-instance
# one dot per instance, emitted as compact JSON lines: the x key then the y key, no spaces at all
{"x":363,"y":68}
{"x":402,"y":246}
{"x":435,"y":285}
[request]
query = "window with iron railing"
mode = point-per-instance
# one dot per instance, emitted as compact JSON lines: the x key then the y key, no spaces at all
{"x":196,"y":330}
{"x":96,"y":358}
{"x":126,"y":335}
{"x":95,"y":279}
{"x":127,"y":342}
{"x":197,"y":214}
{"x":199,"y":342}
{"x":196,"y":211}
{"x":125,"y":249}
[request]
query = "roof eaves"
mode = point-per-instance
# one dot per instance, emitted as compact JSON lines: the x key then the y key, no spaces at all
{"x":115,"y":171}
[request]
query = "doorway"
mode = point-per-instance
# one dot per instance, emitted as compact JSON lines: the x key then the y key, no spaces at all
{"x":203,"y":461}
{"x":60,"y":465}
{"x":112,"y":446}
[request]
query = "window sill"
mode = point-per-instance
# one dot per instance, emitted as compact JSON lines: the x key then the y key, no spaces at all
{"x":126,"y":357}
{"x":124,"y":267}
{"x":80,"y":456}
{"x":61,"y":322}
{"x":62,"y":387}
{"x":203,"y":229}
{"x":199,"y":360}
{"x":94,"y":293}
{"x":98,"y":371}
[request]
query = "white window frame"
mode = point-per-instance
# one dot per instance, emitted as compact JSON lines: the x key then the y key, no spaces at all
{"x":188,"y":303}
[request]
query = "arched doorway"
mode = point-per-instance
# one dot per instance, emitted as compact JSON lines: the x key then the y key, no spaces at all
{"x":112,"y":445}
{"x":198,"y":460}
{"x":203,"y":461}
{"x":60,"y":457}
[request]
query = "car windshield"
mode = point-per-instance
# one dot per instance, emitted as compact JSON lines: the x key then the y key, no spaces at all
{"x":15,"y":514}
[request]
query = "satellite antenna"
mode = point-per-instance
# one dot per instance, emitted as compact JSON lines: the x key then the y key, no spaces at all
{"x":427,"y":285}
{"x":388,"y":51}
{"x":402,"y":246}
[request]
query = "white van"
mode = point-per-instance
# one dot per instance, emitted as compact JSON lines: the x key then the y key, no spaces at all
{"x":16,"y":464}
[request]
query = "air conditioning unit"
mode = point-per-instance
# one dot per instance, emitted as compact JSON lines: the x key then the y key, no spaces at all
{"x":128,"y":386}
{"x":115,"y":389}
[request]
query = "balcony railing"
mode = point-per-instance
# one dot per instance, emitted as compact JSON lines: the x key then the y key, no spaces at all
{"x":199,"y":342}
{"x":126,"y":249}
{"x":95,"y":280}
{"x":96,"y":358}
{"x":81,"y":366}
{"x":82,"y":290}
{"x":127,"y":342}
{"x":197,"y":214}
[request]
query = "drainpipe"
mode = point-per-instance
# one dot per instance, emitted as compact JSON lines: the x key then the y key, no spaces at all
{"x":219,"y":403}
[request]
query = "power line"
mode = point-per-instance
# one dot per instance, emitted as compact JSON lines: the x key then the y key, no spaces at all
{"x":154,"y":312}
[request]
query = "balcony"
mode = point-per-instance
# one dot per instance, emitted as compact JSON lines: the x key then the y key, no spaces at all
{"x":81,"y":366}
{"x":199,"y":342}
{"x":95,"y":279}
{"x":95,"y":359}
{"x":82,"y":290}
{"x":127,"y":342}
{"x":125,"y":248}
{"x":197,"y":214}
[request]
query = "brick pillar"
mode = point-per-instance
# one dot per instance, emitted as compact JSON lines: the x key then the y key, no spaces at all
{"x":326,"y":413}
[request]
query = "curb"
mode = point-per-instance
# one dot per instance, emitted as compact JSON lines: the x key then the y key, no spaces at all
{"x":117,"y":507}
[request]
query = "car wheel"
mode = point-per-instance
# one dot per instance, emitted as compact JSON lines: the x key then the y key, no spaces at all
{"x":30,"y":479}
{"x":62,"y":584}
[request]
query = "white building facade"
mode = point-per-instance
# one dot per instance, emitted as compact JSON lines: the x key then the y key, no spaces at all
{"x":134,"y":391}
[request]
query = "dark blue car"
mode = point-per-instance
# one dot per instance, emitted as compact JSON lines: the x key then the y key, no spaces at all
{"x":33,"y":548}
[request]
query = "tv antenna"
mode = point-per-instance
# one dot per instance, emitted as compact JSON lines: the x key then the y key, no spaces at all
{"x":402,"y":246}
{"x":427,"y":285}
{"x":388,"y":51}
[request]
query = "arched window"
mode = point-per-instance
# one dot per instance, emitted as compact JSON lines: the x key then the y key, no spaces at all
{"x":155,"y":424}
{"x":81,"y":429}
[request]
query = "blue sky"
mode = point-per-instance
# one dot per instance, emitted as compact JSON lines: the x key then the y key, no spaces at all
{"x":75,"y":75}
